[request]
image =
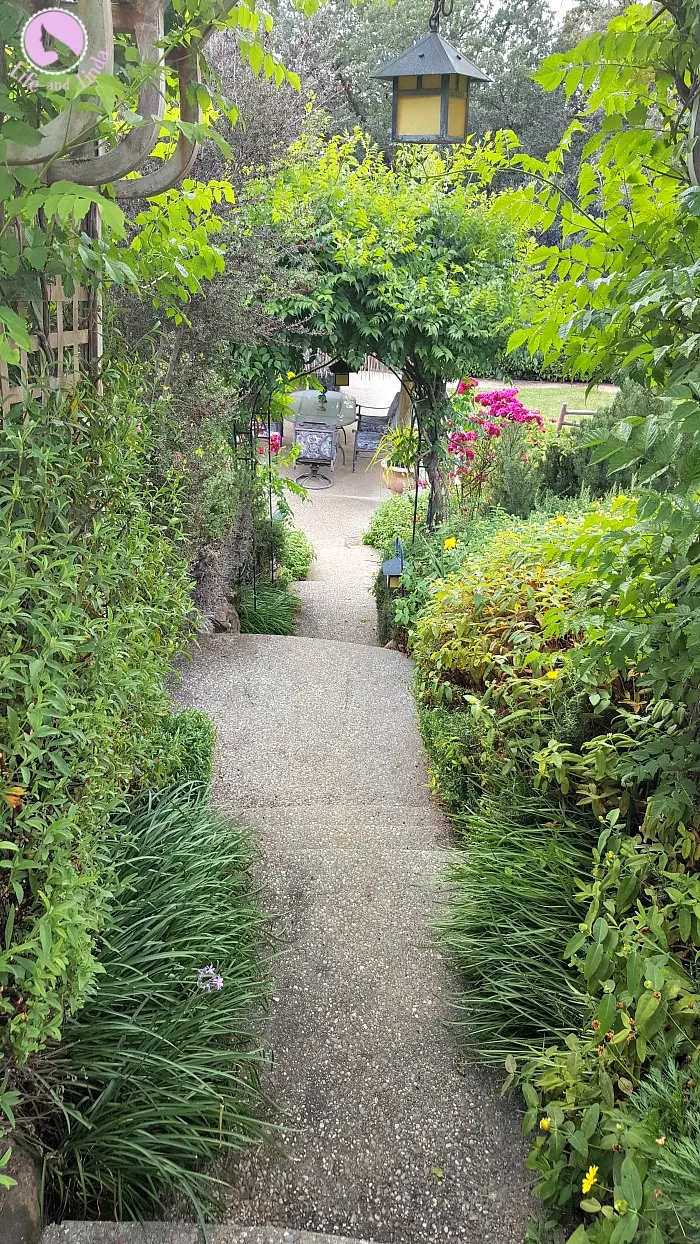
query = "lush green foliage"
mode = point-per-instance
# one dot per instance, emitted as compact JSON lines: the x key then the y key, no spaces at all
{"x":406,"y":261}
{"x":569,"y":466}
{"x":173,"y":248}
{"x":94,"y":601}
{"x":268,"y":609}
{"x":394,"y":517}
{"x":156,"y":1074}
{"x":297,"y":556}
{"x":183,"y":749}
{"x":403,"y":261}
{"x":531,"y":664}
{"x":515,"y":888}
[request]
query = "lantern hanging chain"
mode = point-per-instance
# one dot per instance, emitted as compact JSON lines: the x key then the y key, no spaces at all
{"x":441,"y":8}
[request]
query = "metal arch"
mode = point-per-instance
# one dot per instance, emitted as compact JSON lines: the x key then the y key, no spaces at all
{"x":694,"y":143}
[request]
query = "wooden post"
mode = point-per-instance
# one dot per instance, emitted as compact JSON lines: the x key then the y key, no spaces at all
{"x":403,"y":415}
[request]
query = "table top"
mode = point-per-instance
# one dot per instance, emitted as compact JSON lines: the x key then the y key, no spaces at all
{"x":340,"y":409}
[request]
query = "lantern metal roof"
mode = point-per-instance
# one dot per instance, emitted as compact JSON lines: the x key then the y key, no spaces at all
{"x":431,"y":54}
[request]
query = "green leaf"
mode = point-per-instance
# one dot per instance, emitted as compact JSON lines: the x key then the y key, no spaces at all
{"x":631,"y":1183}
{"x":625,"y":1229}
{"x":21,"y":133}
{"x":16,"y":327}
{"x":580,"y":1236}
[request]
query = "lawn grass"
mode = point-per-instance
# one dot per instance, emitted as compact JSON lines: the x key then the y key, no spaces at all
{"x":548,"y":398}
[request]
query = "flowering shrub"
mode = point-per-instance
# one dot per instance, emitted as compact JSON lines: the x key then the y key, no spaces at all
{"x":487,"y":429}
{"x":542,"y":649}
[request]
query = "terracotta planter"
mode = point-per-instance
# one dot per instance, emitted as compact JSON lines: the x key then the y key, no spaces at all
{"x":401,"y":479}
{"x":398,"y":479}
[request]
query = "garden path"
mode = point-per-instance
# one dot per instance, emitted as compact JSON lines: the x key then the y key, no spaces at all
{"x":386,"y":1135}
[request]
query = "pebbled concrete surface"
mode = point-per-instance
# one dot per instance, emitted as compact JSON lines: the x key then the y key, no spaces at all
{"x":386,"y":1135}
{"x":337,"y":601}
{"x":178,"y":1233}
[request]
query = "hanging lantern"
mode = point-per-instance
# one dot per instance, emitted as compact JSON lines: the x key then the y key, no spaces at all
{"x":431,"y":89}
{"x":393,"y":568}
{"x":341,"y":373}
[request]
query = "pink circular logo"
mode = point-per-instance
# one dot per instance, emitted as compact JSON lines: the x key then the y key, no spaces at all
{"x":54,"y":40}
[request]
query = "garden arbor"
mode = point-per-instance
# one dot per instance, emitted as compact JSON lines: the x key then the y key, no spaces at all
{"x":406,"y":263}
{"x":135,"y":90}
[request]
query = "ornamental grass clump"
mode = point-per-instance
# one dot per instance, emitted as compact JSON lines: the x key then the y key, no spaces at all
{"x":268,"y":609}
{"x":510,"y":912}
{"x":159,"y":1075}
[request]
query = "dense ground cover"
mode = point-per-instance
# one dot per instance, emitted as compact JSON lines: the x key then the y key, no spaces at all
{"x":571,"y":781}
{"x":160,"y":1073}
{"x":103,"y":1026}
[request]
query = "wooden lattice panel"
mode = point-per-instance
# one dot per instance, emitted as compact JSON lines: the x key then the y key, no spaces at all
{"x":71,"y":320}
{"x":66,"y":345}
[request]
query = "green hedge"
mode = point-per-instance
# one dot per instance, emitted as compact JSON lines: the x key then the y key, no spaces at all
{"x":93,"y":606}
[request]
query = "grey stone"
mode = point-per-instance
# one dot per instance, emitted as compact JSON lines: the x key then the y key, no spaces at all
{"x":224,"y":617}
{"x":20,"y":1206}
{"x":178,"y":1233}
{"x":385,"y":1134}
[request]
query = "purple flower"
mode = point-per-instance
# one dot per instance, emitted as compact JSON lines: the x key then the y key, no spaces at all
{"x":208,"y":979}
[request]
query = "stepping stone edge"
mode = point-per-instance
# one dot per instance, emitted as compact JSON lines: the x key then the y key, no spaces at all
{"x":180,"y":1233}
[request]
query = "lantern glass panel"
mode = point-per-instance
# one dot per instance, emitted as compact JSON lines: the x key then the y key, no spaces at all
{"x":408,"y":84}
{"x":417,"y":114}
{"x":457,"y":117}
{"x":431,"y":81}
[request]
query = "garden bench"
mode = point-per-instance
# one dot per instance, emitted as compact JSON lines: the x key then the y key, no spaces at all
{"x":563,"y":422}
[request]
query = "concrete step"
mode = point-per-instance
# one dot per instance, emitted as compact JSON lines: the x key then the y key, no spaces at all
{"x":179,"y":1233}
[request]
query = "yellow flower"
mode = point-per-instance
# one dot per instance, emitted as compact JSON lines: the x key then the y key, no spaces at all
{"x":589,"y":1178}
{"x":552,"y":674}
{"x":516,"y":608}
{"x":545,"y":1124}
{"x":13,"y":795}
{"x":450,"y":542}
{"x":560,"y":519}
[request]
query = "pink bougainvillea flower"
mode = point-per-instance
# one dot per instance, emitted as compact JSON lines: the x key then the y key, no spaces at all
{"x":466,"y":386}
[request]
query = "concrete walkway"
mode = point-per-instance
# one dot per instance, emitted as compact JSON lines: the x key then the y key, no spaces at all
{"x":386,"y":1136}
{"x":337,"y":601}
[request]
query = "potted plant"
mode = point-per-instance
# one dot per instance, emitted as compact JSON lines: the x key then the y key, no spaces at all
{"x":398,"y":452}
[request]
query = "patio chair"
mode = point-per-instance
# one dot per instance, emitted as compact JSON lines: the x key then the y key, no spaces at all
{"x":318,"y":446}
{"x":371,"y":426}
